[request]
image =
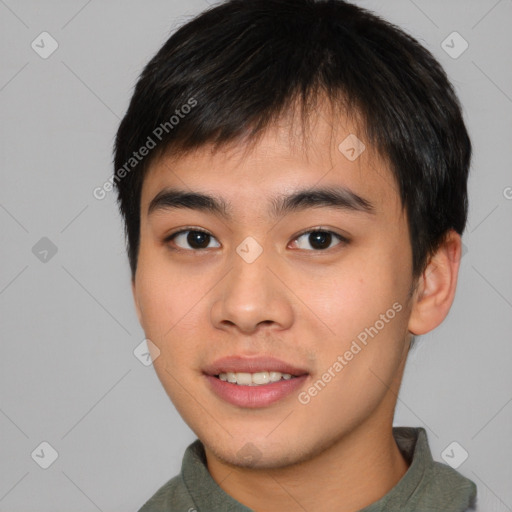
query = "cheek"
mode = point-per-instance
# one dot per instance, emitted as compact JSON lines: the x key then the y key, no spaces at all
{"x":354,"y":295}
{"x":159,"y":294}
{"x":172,"y":311}
{"x":162,"y":288}
{"x":364,"y":304}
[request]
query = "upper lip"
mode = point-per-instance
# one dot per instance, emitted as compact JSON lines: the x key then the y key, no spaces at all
{"x":251,"y":365}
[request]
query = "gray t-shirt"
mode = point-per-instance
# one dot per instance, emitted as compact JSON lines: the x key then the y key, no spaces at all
{"x":427,"y":486}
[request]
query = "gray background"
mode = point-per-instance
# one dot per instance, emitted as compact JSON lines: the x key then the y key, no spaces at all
{"x":68,"y":374}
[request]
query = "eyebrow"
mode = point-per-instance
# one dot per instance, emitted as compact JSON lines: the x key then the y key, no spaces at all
{"x":328,"y":197}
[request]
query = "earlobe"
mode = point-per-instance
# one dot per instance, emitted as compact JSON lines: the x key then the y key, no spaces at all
{"x":436,"y":286}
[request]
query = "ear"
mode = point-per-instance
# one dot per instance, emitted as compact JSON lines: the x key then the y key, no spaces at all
{"x":436,"y":286}
{"x":136,"y":301}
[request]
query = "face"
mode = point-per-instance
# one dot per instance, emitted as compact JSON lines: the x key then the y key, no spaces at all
{"x":248,"y":292}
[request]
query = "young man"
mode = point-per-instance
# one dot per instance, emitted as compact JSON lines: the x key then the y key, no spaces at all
{"x":292,"y":176}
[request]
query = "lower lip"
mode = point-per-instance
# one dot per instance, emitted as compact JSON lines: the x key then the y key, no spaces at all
{"x":255,"y":396}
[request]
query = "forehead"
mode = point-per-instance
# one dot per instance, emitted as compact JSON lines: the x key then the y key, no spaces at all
{"x":328,"y":153}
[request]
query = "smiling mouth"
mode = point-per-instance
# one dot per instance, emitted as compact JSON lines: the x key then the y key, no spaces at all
{"x":252,"y":382}
{"x":254,"y":379}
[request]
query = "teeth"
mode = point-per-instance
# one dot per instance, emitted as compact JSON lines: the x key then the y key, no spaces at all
{"x":245,"y":379}
{"x":253,"y":379}
{"x":274,"y":376}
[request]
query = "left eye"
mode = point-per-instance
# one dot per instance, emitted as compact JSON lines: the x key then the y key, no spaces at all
{"x":318,"y":239}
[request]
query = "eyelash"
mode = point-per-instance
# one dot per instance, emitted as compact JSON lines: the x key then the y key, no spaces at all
{"x":172,"y":236}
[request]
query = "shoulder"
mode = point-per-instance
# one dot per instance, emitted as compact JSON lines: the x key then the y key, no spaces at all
{"x":450,"y":485}
{"x":171,"y":497}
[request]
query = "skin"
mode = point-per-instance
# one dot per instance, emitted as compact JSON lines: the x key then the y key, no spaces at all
{"x":294,"y":302}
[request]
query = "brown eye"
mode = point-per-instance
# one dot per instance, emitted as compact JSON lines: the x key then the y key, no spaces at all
{"x":196,"y":239}
{"x":319,"y":239}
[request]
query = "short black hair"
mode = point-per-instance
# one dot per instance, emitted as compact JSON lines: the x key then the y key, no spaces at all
{"x":239,"y":66}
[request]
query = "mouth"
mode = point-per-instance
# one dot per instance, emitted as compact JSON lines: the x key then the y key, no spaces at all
{"x":254,"y":379}
{"x":253,"y":382}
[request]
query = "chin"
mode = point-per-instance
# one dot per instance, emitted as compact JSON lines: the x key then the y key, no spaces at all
{"x":259,"y":452}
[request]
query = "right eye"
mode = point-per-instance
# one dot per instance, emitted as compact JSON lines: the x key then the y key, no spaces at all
{"x":197,"y":239}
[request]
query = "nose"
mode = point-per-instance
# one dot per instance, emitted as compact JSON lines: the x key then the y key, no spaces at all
{"x":251,"y":296}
